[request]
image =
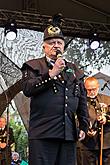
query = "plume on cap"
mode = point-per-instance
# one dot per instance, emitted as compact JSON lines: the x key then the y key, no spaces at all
{"x":54,"y":30}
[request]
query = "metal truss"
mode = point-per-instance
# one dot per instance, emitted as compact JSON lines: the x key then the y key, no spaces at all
{"x":70,"y":27}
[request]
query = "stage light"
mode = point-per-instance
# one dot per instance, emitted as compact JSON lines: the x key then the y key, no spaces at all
{"x":94,"y":42}
{"x":10,"y":30}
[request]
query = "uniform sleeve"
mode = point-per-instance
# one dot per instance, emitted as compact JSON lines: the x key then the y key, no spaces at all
{"x":107,"y":114}
{"x":82,"y":113}
{"x":34,"y":82}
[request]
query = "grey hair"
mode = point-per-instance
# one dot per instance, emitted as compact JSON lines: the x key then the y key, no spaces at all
{"x":15,"y":153}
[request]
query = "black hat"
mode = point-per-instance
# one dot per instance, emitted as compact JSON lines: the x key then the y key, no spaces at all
{"x":53,"y":32}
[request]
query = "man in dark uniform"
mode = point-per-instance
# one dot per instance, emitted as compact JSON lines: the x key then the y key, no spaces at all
{"x":6,"y":140}
{"x":99,"y":117}
{"x":57,"y":95}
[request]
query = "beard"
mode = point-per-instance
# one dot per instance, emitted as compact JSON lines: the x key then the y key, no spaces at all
{"x":92,"y":95}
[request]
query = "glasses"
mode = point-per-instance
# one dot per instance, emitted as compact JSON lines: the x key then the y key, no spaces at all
{"x":93,"y":89}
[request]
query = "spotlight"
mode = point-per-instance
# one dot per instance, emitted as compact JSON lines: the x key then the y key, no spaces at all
{"x":94,"y":42}
{"x":10,"y":30}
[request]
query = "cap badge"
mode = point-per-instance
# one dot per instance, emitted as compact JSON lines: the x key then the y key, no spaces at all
{"x":53,"y":30}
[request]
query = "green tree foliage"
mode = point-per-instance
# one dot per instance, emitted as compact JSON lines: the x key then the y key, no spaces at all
{"x":79,"y":51}
{"x":21,"y":138}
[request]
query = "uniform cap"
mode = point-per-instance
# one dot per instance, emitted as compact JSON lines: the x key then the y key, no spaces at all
{"x":53,"y":32}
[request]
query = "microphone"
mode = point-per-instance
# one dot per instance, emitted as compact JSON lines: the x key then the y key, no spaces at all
{"x":58,"y":53}
{"x":105,"y":85}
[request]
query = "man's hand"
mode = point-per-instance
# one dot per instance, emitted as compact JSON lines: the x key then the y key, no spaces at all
{"x":101,"y":118}
{"x":57,"y":68}
{"x":81,"y":135}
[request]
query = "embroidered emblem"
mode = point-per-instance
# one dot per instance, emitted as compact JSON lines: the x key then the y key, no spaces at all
{"x":53,"y":30}
{"x":69,"y":70}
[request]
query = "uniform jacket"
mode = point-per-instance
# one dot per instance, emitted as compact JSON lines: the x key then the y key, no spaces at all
{"x":5,"y":153}
{"x":3,"y":136}
{"x":94,"y":142}
{"x":54,"y":102}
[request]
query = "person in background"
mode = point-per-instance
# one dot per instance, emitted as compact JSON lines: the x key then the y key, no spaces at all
{"x":57,"y":94}
{"x":6,"y":142}
{"x":99,"y":116}
{"x":16,"y":159}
